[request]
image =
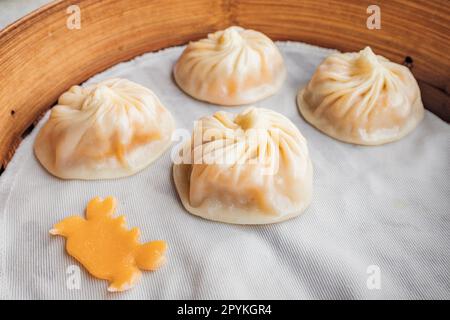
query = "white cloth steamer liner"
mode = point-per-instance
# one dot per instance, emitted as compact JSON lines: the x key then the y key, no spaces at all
{"x":386,"y":206}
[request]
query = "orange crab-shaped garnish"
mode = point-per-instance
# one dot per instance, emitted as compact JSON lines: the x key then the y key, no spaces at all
{"x":104,"y":246}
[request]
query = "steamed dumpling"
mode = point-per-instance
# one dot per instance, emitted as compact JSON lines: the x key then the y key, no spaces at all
{"x":362,"y":98}
{"x":231,"y":67}
{"x":109,"y":130}
{"x":253,"y":168}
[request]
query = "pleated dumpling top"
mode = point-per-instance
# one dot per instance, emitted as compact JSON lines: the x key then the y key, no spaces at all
{"x":362,"y":98}
{"x":108,"y":130}
{"x":231,"y":67}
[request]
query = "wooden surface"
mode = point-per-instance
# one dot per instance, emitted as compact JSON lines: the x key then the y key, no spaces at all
{"x":40,"y":57}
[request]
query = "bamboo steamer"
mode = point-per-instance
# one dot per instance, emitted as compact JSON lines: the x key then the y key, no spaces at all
{"x":40,"y":57}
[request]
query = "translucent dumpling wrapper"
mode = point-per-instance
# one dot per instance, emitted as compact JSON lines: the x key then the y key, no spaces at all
{"x":253,"y":168}
{"x":109,"y":130}
{"x":231,"y":67}
{"x":362,"y":98}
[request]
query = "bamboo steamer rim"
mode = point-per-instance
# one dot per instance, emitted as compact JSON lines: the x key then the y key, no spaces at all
{"x":40,"y":57}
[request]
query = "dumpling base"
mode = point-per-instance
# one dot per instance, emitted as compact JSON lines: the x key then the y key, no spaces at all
{"x":111,"y":168}
{"x":328,"y":129}
{"x":232,"y":215}
{"x":245,"y":97}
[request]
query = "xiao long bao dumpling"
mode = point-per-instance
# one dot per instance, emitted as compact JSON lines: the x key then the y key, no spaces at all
{"x":109,"y":130}
{"x":362,"y":98}
{"x":231,"y":67}
{"x":253,"y":168}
